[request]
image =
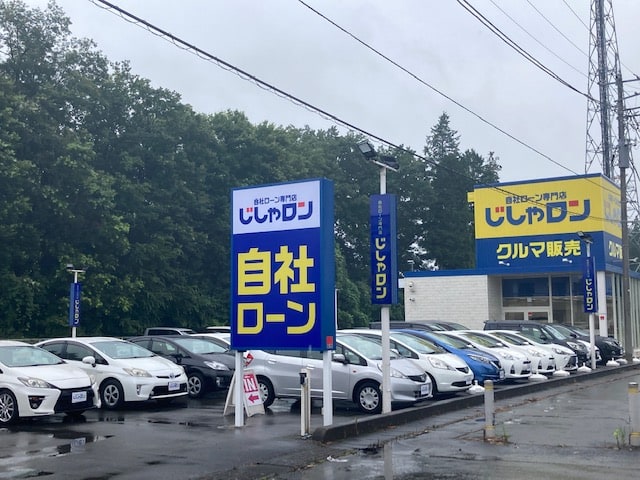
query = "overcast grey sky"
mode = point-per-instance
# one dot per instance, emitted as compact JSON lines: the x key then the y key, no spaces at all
{"x":287,"y":45}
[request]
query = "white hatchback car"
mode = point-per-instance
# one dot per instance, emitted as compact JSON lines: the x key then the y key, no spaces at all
{"x":448,"y":372}
{"x":356,"y":374}
{"x":35,"y":383}
{"x":543,"y":360}
{"x":517,"y":366}
{"x":125,"y":372}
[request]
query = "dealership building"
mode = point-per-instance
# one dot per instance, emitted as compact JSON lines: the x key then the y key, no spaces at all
{"x":534,"y":242}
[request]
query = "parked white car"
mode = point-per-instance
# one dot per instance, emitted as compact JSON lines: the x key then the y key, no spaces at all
{"x":356,"y":374}
{"x":565,"y":358}
{"x":542,"y":359}
{"x":36,"y":383}
{"x":517,"y":366}
{"x":448,"y":372}
{"x":124,"y":371}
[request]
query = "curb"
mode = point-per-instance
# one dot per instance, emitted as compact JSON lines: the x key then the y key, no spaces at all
{"x":373,"y":423}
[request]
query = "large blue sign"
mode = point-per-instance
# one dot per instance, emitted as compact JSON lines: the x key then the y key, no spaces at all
{"x":74,"y":304}
{"x":384,"y":251}
{"x":282,"y":267}
{"x":589,"y":285}
{"x":543,"y":253}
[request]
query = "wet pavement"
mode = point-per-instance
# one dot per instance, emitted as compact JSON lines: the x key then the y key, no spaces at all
{"x":571,"y":428}
{"x":573,"y":431}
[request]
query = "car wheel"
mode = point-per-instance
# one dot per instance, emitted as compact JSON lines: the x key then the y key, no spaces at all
{"x":111,"y":394}
{"x":368,"y":397}
{"x":266,"y":391}
{"x":8,"y":408}
{"x":195,"y":384}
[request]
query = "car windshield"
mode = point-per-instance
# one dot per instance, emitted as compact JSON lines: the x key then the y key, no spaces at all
{"x":199,"y":345}
{"x":453,"y":341}
{"x":420,"y":345}
{"x":121,"y":349}
{"x":512,"y":339}
{"x":557,"y":332}
{"x":27,"y":356}
{"x":483,"y":340}
{"x":368,"y":347}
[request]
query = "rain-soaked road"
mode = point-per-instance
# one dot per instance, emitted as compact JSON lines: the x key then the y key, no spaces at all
{"x":565,"y":432}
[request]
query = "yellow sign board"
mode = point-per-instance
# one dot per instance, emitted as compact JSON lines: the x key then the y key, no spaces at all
{"x":589,"y":203}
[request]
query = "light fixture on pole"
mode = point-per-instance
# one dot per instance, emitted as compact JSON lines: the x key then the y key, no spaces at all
{"x":384,"y":284}
{"x":590,"y":293}
{"x":74,"y":298}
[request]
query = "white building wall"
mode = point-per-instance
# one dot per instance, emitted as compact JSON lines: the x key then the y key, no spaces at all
{"x":466,"y":299}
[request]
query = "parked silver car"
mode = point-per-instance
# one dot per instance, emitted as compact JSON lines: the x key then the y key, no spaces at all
{"x":448,"y":372}
{"x":356,"y":374}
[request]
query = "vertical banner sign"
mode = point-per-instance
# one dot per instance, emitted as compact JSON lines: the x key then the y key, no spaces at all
{"x":384,"y":251}
{"x":282,"y":267}
{"x":589,"y":285}
{"x":74,"y":305}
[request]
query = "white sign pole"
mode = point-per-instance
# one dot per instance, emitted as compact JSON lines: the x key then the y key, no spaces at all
{"x":238,"y":392}
{"x":327,"y":388}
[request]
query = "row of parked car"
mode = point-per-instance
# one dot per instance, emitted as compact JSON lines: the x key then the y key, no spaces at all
{"x":74,"y":374}
{"x":71,"y":375}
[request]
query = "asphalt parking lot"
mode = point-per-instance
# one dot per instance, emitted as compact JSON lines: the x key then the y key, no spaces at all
{"x":544,"y":430}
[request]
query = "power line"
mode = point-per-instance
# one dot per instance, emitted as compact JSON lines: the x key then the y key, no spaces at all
{"x":180,"y":43}
{"x":521,"y":51}
{"x":588,"y":29}
{"x":439,"y":92}
{"x":538,"y":41}
{"x":557,"y":29}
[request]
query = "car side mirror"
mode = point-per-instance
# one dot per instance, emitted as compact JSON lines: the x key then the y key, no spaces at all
{"x":89,"y":360}
{"x":339,"y":357}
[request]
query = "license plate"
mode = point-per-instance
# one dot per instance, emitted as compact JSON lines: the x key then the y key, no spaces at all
{"x":425,"y":390}
{"x":173,"y":386}
{"x":77,"y":397}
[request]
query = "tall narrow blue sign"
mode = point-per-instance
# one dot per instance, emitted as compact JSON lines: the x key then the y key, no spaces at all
{"x":589,"y":285}
{"x":74,"y":305}
{"x":384,"y":251}
{"x":282,"y":267}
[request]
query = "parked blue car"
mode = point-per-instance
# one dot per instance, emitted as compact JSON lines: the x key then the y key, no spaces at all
{"x":483,"y":365}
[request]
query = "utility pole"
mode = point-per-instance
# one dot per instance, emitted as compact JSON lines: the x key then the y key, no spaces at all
{"x":623,"y":163}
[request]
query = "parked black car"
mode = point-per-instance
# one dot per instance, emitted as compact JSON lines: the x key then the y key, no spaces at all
{"x":209,"y":366}
{"x":544,"y":333}
{"x":610,"y":348}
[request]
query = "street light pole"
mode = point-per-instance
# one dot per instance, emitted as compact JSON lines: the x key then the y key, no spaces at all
{"x":385,"y":163}
{"x":385,"y":320}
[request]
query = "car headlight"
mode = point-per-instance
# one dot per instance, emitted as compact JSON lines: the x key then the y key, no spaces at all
{"x":478,"y":358}
{"x":506,"y":356}
{"x":216,"y":365}
{"x":137,"y":372}
{"x":396,"y":373}
{"x":559,"y":351}
{"x":393,"y":372}
{"x":437,"y":363}
{"x":577,"y":346}
{"x":535,"y":353}
{"x":35,"y":382}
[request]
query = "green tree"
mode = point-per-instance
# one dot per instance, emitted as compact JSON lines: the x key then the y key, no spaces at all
{"x":449,"y":223}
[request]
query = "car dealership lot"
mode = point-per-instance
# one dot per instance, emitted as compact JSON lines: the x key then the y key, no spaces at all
{"x":190,"y":438}
{"x":185,"y":439}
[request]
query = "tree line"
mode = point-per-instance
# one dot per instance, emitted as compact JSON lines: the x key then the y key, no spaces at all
{"x":101,"y":170}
